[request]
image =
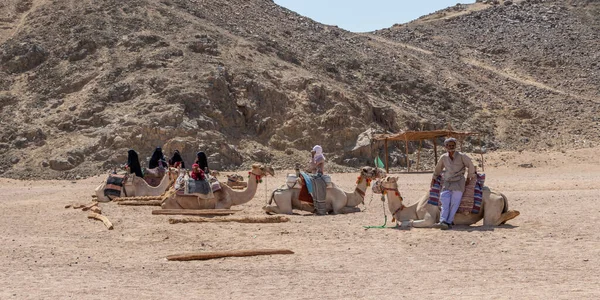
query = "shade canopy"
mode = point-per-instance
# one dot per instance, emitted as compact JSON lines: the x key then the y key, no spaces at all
{"x":422,"y":135}
{"x":407,"y":136}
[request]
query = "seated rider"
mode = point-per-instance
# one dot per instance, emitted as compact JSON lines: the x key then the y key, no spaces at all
{"x":176,"y":161}
{"x":197,"y":173}
{"x":157,"y":159}
{"x":133,"y":163}
{"x":317,"y":161}
{"x":202,"y":162}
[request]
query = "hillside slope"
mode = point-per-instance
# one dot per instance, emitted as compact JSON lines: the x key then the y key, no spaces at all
{"x":249,"y":81}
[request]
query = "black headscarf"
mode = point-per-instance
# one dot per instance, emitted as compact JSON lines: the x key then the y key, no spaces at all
{"x":157,"y":156}
{"x":133,"y":162}
{"x":176,"y":158}
{"x":202,"y":161}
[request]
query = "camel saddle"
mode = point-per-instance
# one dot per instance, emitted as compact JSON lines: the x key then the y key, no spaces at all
{"x":293,"y":182}
{"x":313,"y":189}
{"x":203,"y":189}
{"x":114,"y":184}
{"x":154,"y":176}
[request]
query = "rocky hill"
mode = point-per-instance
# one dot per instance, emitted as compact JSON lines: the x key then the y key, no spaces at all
{"x":249,"y":81}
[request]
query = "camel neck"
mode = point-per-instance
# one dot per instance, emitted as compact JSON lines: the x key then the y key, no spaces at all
{"x":246,"y":195}
{"x":358,"y":196}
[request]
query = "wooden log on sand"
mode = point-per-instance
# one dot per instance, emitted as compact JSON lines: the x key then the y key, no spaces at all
{"x":267,"y":219}
{"x":141,"y":203}
{"x":137,"y":198}
{"x":102,"y":218}
{"x":195,"y":212}
{"x":231,"y":253}
{"x":88,"y":206}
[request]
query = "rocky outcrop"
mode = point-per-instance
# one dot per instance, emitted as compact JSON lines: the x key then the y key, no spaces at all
{"x":250,"y":81}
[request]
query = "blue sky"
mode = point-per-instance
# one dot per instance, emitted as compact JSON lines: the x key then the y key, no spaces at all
{"x":363,"y":16}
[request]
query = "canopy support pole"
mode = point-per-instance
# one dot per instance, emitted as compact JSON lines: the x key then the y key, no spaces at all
{"x":481,"y":150}
{"x":435,"y":152}
{"x":387,"y":167}
{"x":419,"y":156}
{"x":407,"y":160}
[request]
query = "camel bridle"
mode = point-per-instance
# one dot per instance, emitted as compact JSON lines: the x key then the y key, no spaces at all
{"x":397,"y":193}
{"x":257,"y":176}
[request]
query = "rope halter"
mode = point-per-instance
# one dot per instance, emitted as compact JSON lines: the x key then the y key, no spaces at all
{"x":257,"y":176}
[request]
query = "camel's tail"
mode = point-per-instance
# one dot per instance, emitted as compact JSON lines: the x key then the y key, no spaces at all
{"x":272,"y":197}
{"x":273,"y":194}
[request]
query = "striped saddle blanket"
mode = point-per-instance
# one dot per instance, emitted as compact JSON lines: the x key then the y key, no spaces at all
{"x":113,"y":186}
{"x":472,"y":198}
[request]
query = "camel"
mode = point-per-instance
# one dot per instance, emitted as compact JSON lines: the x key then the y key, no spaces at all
{"x":224,"y":198}
{"x":136,"y":186}
{"x":494,"y":210}
{"x":337,"y":200}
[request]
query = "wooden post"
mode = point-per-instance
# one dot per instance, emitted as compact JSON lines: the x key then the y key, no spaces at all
{"x":195,"y":212}
{"x":419,"y":155}
{"x":387,"y":167}
{"x":407,"y":160}
{"x":481,"y":150}
{"x":231,"y":253}
{"x":435,"y":151}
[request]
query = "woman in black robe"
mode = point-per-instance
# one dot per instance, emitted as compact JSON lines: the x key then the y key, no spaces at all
{"x":176,"y":158}
{"x":133,"y":163}
{"x":157,"y":159}
{"x":202,"y":161}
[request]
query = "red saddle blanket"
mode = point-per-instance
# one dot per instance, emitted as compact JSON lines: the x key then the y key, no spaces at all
{"x":304,"y":196}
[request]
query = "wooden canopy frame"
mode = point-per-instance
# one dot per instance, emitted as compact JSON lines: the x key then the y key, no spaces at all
{"x":407,"y":136}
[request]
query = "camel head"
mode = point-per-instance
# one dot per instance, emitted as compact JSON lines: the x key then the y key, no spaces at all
{"x":388,"y":183}
{"x":372,"y":173}
{"x":379,"y":173}
{"x":262,"y":170}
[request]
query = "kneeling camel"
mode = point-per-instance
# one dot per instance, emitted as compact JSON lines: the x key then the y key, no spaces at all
{"x":494,"y":210}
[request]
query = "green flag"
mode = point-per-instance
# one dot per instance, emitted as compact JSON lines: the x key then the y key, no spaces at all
{"x":379,"y":163}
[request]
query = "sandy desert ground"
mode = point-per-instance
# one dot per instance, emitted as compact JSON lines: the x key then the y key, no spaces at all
{"x":552,"y":250}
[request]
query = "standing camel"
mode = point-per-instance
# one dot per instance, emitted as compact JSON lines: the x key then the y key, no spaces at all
{"x":494,"y":210}
{"x":223,"y":198}
{"x":337,"y":200}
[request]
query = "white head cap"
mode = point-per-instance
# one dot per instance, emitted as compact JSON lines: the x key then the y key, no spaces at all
{"x":449,"y":140}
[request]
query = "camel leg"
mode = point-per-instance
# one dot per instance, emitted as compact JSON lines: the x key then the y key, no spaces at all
{"x":283,"y":204}
{"x":349,"y":210}
{"x":99,"y":191}
{"x":306,"y":207}
{"x":171,"y":203}
{"x":432,"y":215}
{"x":427,"y":222}
{"x":509,"y":215}
{"x":492,"y":209}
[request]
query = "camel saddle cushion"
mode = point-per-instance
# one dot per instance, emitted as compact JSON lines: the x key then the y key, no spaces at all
{"x":154,"y":176}
{"x":471,"y":200}
{"x":293,"y":182}
{"x":199,"y":188}
{"x":114,"y":184}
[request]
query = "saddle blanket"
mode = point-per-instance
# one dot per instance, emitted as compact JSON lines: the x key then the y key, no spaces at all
{"x":312,"y":188}
{"x":113,"y":186}
{"x":202,"y":188}
{"x":472,"y":198}
{"x":293,"y":182}
{"x":154,"y":176}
